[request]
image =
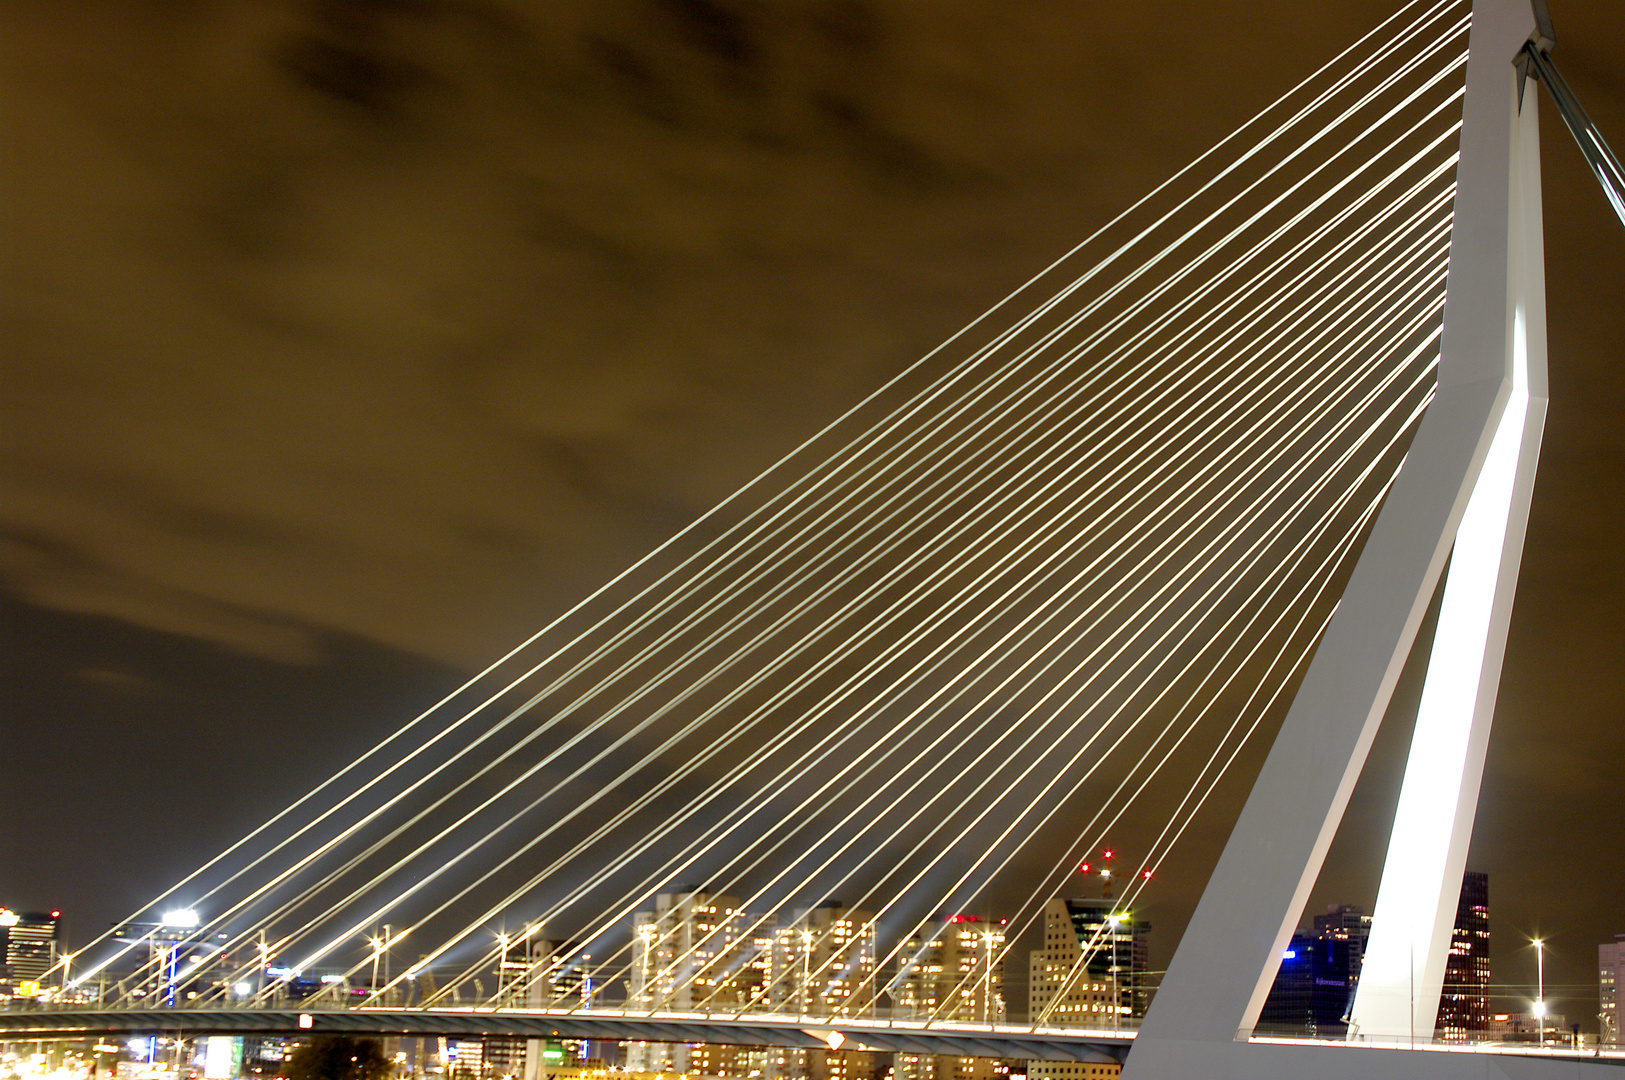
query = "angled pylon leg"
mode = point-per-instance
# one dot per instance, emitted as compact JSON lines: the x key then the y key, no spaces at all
{"x":1216,"y":984}
{"x":1403,"y":972}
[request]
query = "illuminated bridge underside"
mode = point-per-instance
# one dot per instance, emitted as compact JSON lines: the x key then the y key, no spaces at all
{"x":889,"y":1036}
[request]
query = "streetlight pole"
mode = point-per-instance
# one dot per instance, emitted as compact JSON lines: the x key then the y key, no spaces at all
{"x":377,"y":951}
{"x":1115,"y":920}
{"x":987,"y":991}
{"x":1540,"y":990}
{"x":806,"y":977}
{"x":646,"y":935}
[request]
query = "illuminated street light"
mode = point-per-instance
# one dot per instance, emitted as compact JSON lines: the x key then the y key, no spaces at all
{"x":806,"y":973}
{"x":1116,"y":919}
{"x":987,"y":990}
{"x":378,"y":945}
{"x":1540,"y":989}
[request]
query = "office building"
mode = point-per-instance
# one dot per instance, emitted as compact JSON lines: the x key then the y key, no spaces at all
{"x":537,"y":973}
{"x":1091,"y":967}
{"x":1089,"y":972}
{"x":28,"y":948}
{"x":1314,"y":986}
{"x":957,"y":972}
{"x":1610,"y":970}
{"x":1464,"y":1004}
{"x":1320,"y":970}
{"x":695,"y":951}
{"x":824,"y":964}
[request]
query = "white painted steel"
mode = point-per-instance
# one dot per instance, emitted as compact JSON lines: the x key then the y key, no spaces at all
{"x":1405,"y":960}
{"x":1355,"y":1061}
{"x":1226,"y":961}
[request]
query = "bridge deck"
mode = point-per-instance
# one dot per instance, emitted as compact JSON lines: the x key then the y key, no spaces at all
{"x":849,"y":1033}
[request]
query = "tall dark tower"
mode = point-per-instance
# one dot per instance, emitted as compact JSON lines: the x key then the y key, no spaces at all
{"x":1464,"y":1010}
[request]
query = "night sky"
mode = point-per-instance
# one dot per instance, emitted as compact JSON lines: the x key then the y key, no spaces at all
{"x":347,"y":341}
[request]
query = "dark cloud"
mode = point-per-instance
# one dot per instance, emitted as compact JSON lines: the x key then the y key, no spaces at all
{"x":374,"y":332}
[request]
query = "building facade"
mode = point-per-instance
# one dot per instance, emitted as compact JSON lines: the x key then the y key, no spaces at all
{"x":28,"y":950}
{"x":955,"y":973}
{"x":1320,"y":968}
{"x":1091,"y":972}
{"x":1464,"y":1005}
{"x":695,"y":950}
{"x":1610,"y":970}
{"x":824,"y":964}
{"x":535,"y":972}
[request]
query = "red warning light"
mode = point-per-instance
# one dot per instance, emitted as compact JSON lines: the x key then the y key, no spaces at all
{"x":1148,"y":875}
{"x":56,"y":914}
{"x":1109,"y":853}
{"x":1083,"y":869}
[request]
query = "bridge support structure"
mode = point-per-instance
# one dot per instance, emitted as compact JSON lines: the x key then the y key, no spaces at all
{"x":1463,"y":497}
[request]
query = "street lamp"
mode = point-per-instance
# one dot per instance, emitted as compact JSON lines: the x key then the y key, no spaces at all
{"x":378,"y":946}
{"x":987,"y":993}
{"x":1540,"y":989}
{"x":505,"y":978}
{"x":806,"y":978}
{"x":646,"y":934}
{"x":1116,"y":919}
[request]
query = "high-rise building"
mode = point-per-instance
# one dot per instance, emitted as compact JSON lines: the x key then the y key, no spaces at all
{"x":1091,"y":968}
{"x":824,"y":963}
{"x":1090,"y":971}
{"x":957,"y":972}
{"x":537,"y":972}
{"x":1320,"y":970}
{"x":1610,"y":972}
{"x":1464,"y":1005}
{"x":1314,"y":986}
{"x":1350,"y":923}
{"x":695,"y":951}
{"x":28,"y":949}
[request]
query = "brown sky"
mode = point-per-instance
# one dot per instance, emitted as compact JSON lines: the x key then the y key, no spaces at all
{"x":344,"y":342}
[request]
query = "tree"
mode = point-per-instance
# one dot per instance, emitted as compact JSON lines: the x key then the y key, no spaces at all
{"x":338,"y":1057}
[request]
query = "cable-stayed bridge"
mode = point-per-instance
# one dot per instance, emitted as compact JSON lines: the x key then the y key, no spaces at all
{"x":806,"y":775}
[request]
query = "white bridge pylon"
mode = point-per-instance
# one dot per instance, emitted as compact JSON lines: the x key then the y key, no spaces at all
{"x":1462,"y":496}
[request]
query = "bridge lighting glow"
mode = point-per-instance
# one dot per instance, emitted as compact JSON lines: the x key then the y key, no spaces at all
{"x":181,"y":919}
{"x":1539,"y":1008}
